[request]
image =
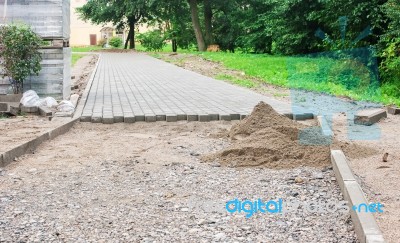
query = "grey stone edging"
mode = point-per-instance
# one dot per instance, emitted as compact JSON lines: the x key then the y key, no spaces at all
{"x":9,"y":156}
{"x":82,"y":101}
{"x":365,"y":225}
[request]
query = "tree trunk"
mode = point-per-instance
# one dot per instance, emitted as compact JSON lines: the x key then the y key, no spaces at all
{"x":174,"y":45}
{"x":127,"y":39}
{"x":196,"y":25}
{"x":132,"y":37}
{"x":208,"y":14}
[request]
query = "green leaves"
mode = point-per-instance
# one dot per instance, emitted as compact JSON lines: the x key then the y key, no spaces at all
{"x":19,"y":55}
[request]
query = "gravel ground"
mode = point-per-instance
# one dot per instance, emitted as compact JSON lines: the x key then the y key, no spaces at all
{"x":146,"y":183}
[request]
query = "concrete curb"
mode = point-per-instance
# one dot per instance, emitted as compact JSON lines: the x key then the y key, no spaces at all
{"x":28,"y":147}
{"x":365,"y":225}
{"x":326,"y":129}
{"x":83,"y":99}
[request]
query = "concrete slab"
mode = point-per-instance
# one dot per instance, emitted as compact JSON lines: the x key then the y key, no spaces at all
{"x":369,"y":117}
{"x":3,"y":106}
{"x":393,"y":110}
{"x":29,"y":109}
{"x":45,"y":111}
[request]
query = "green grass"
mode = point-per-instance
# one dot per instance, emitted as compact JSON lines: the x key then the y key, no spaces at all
{"x":235,"y":80}
{"x":314,"y":74}
{"x":75,"y":58}
{"x":86,"y":48}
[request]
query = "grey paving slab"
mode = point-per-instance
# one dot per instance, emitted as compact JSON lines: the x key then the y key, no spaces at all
{"x":136,"y":87}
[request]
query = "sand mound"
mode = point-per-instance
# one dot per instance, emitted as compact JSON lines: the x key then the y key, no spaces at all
{"x":269,"y":139}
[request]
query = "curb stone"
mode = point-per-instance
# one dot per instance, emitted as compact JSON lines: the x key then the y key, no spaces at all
{"x":83,"y":99}
{"x":365,"y":225}
{"x":8,"y":156}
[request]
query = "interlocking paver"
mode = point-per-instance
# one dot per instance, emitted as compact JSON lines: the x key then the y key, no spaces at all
{"x":135,"y":87}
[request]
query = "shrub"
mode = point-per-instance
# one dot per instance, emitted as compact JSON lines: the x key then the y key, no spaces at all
{"x":152,"y":40}
{"x":115,"y":42}
{"x":19,"y":54}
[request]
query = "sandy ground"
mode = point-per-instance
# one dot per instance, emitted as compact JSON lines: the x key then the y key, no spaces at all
{"x":145,"y":182}
{"x":154,"y":147}
{"x":379,"y":180}
{"x":21,"y":129}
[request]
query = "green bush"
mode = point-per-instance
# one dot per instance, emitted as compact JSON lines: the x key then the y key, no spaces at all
{"x":152,"y":40}
{"x":115,"y":42}
{"x":19,"y":54}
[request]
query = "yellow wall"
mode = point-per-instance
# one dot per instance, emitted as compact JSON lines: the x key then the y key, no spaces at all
{"x":80,"y":30}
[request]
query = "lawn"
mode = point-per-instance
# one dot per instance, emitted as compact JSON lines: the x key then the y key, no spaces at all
{"x":75,"y":58}
{"x":337,"y":77}
{"x":86,"y":48}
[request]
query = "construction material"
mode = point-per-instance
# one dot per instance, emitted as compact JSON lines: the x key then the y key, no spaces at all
{"x":369,"y":117}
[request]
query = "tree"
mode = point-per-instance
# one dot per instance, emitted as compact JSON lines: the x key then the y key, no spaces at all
{"x":173,"y":17}
{"x":196,"y":25}
{"x":19,"y":54}
{"x":121,"y":13}
{"x":208,"y":17}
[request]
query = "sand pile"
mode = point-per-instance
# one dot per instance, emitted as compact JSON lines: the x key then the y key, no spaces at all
{"x":269,"y":139}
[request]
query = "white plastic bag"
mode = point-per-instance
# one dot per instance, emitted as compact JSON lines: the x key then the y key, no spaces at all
{"x":30,"y":98}
{"x":66,"y":106}
{"x":48,"y":102}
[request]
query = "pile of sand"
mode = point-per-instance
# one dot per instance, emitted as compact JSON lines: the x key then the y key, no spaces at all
{"x":269,"y":139}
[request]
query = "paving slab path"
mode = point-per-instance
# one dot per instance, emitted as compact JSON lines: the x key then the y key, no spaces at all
{"x":130,"y":87}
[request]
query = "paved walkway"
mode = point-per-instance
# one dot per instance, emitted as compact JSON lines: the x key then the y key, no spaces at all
{"x":136,"y":87}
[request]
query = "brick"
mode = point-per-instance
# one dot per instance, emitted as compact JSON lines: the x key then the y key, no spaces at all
{"x":192,"y":117}
{"x":369,"y":117}
{"x":10,"y":98}
{"x":119,"y":119}
{"x":393,"y":110}
{"x":235,"y":117}
{"x":108,"y":120}
{"x":204,"y":118}
{"x":225,"y":117}
{"x":171,"y":118}
{"x":3,"y":106}
{"x":151,"y":118}
{"x":303,"y":116}
{"x":14,"y":110}
{"x":86,"y":119}
{"x":29,"y":109}
{"x":96,"y":119}
{"x":161,"y":117}
{"x":45,"y":111}
{"x":140,"y":118}
{"x":182,"y":117}
{"x":129,"y":119}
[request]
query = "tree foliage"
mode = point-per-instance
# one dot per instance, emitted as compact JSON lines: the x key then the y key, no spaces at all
{"x":121,"y":13}
{"x":19,"y":55}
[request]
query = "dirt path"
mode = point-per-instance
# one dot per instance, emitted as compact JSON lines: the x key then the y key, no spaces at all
{"x":145,"y":182}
